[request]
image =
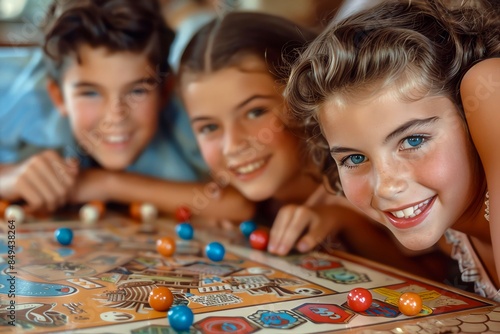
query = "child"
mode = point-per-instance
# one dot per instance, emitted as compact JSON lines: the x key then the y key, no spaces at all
{"x":405,"y":94}
{"x":231,"y":81}
{"x":109,"y":76}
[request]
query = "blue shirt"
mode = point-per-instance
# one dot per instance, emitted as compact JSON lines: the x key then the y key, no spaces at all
{"x":28,"y":120}
{"x":29,"y":123}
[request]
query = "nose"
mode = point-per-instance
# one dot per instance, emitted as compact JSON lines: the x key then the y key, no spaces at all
{"x":235,"y":139}
{"x":117,"y":110}
{"x":390,"y":179}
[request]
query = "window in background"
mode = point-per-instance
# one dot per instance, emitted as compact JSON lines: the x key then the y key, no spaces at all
{"x":19,"y":21}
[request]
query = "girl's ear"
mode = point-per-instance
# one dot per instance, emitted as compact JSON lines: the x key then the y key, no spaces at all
{"x":56,"y":95}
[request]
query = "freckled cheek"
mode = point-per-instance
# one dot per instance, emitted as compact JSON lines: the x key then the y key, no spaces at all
{"x":444,"y":169}
{"x":357,"y":190}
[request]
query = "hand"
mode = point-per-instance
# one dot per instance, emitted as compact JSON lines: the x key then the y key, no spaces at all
{"x":43,"y":181}
{"x":91,"y":185}
{"x":302,"y":226}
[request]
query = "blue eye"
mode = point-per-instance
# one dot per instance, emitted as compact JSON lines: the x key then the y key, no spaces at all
{"x":357,"y":158}
{"x":352,"y":161}
{"x":413,"y":142}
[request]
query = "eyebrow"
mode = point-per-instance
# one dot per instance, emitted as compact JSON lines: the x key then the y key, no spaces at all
{"x":251,"y":98}
{"x":410,"y":124}
{"x":239,"y":106}
{"x":401,"y":129}
{"x":198,"y":119}
{"x":83,"y":84}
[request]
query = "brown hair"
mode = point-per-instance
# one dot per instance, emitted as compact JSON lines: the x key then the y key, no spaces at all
{"x":222,"y":42}
{"x":118,"y":25}
{"x":225,"y":41}
{"x":420,"y":47}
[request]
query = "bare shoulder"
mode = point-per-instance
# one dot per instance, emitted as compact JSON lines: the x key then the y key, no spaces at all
{"x":483,"y":67}
{"x":482,"y":78}
{"x":480,"y":93}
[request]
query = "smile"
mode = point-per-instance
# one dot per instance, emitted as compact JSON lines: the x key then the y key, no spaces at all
{"x":411,"y":211}
{"x":248,"y":168}
{"x":116,"y":139}
{"x":410,"y":216}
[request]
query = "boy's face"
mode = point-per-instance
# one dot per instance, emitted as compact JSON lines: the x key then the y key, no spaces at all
{"x":408,"y":165}
{"x":112,"y":101}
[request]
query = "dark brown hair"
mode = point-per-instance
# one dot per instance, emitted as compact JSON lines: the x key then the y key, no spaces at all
{"x":117,"y":25}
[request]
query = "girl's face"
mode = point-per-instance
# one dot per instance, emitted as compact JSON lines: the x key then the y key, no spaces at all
{"x":235,"y":114}
{"x":408,"y":165}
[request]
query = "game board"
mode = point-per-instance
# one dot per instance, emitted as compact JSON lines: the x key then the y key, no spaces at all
{"x":101,"y":282}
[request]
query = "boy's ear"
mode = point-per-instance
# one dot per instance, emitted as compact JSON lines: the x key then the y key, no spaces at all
{"x":56,"y":95}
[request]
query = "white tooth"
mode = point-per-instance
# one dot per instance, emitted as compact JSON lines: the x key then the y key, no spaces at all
{"x":250,"y":167}
{"x":411,"y":211}
{"x":116,"y":139}
{"x":399,"y":214}
{"x":247,"y":169}
{"x":408,"y":211}
{"x":423,"y":203}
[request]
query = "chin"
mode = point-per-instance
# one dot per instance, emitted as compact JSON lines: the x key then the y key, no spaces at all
{"x":256,"y":195}
{"x":418,"y":244}
{"x":115,"y":166}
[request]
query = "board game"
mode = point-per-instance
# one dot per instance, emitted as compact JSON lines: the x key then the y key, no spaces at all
{"x":101,"y":282}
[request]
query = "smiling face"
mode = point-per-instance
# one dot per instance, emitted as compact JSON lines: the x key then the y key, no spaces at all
{"x":235,"y":114}
{"x":408,"y":165}
{"x":112,"y":101}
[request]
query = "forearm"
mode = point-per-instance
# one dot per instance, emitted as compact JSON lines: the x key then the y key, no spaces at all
{"x":167,"y":196}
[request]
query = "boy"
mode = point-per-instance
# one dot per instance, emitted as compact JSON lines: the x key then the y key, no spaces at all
{"x":109,"y":78}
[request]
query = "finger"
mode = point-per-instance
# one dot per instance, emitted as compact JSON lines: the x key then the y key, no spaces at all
{"x":72,"y":165}
{"x":59,"y":181}
{"x":315,"y":234}
{"x":284,"y":216}
{"x":55,"y":176}
{"x":66,"y":171}
{"x":30,"y":194}
{"x":300,"y":221}
{"x":227,"y":225}
{"x":62,"y":170}
{"x":40,"y":183}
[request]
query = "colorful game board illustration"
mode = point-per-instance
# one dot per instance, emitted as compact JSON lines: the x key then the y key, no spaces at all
{"x":106,"y":289}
